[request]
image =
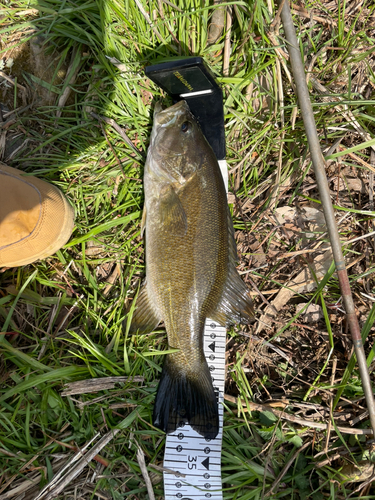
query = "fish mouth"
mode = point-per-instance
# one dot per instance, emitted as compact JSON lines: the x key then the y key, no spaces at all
{"x":165,"y":117}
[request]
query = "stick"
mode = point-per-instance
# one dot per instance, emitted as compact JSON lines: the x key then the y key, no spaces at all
{"x":286,"y":468}
{"x":148,"y":20}
{"x":249,"y":405}
{"x":227,"y":41}
{"x":119,"y":130}
{"x":72,"y":74}
{"x":146,"y":477}
{"x":10,"y":80}
{"x":319,"y":168}
{"x":334,"y":366}
{"x":59,"y":482}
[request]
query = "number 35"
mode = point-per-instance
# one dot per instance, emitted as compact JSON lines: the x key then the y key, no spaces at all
{"x":192,"y":465}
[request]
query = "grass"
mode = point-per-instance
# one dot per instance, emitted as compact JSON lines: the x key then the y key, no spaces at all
{"x":63,"y":316}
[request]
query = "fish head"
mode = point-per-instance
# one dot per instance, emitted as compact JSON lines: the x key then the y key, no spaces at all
{"x":176,"y":143}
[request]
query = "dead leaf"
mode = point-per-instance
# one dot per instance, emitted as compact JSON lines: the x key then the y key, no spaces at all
{"x":310,"y":221}
{"x":312,"y":314}
{"x":352,"y":473}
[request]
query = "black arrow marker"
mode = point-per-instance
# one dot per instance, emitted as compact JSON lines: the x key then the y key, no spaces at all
{"x":206,"y":463}
{"x":212,"y":346}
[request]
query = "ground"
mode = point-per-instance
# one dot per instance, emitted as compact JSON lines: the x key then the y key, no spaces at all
{"x":77,"y":112}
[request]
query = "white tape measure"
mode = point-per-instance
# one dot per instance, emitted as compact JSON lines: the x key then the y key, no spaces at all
{"x":195,"y":462}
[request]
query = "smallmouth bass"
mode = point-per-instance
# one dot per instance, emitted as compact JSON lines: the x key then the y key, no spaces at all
{"x":191,"y":271}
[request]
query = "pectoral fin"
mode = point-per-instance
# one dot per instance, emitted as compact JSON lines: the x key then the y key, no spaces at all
{"x":172,"y":213}
{"x":145,"y":317}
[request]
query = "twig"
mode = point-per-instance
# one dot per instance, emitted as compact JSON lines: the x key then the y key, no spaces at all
{"x":10,"y":80}
{"x":97,"y":384}
{"x":279,"y":51}
{"x":249,"y":405}
{"x":148,"y":20}
{"x":97,"y":458}
{"x":265,"y":301}
{"x":334,"y":365}
{"x":72,"y":72}
{"x":17,"y":111}
{"x":10,"y":454}
{"x":228,"y":32}
{"x":275,"y":23}
{"x":172,"y":5}
{"x":68,"y":313}
{"x":357,"y":158}
{"x":146,"y":477}
{"x":165,"y":469}
{"x":364,"y":236}
{"x":113,"y":151}
{"x":300,"y":11}
{"x":161,"y":12}
{"x":286,"y":468}
{"x":321,"y":178}
{"x":112,"y":279}
{"x":119,"y":130}
{"x":59,"y":482}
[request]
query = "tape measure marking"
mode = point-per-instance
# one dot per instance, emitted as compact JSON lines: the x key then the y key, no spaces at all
{"x":196,"y":460}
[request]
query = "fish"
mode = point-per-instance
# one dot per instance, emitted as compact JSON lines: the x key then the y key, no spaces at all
{"x":191,"y":272}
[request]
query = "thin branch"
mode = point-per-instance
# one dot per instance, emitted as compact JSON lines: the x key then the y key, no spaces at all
{"x":227,"y":41}
{"x":145,"y":474}
{"x":249,"y":405}
{"x":119,"y":130}
{"x":60,"y":481}
{"x":148,"y":20}
{"x":321,"y":178}
{"x":286,"y":468}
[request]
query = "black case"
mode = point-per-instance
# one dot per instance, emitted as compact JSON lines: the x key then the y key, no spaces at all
{"x":182,"y":79}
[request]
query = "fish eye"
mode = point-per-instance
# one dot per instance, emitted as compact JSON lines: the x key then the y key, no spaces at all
{"x":185,"y":126}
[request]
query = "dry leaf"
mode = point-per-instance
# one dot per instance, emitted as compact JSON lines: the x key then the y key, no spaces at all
{"x":310,"y":221}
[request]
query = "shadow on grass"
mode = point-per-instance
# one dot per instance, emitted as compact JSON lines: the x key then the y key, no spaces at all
{"x":73,"y":64}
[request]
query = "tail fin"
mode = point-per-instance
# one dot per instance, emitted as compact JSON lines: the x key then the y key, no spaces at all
{"x":186,"y":397}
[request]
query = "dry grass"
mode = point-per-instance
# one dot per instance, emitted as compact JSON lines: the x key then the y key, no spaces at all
{"x":62,"y":317}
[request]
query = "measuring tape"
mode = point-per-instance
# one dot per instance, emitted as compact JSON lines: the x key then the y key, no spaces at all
{"x":193,"y":462}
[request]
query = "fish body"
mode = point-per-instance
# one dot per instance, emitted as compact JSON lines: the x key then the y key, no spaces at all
{"x":190,"y":266}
